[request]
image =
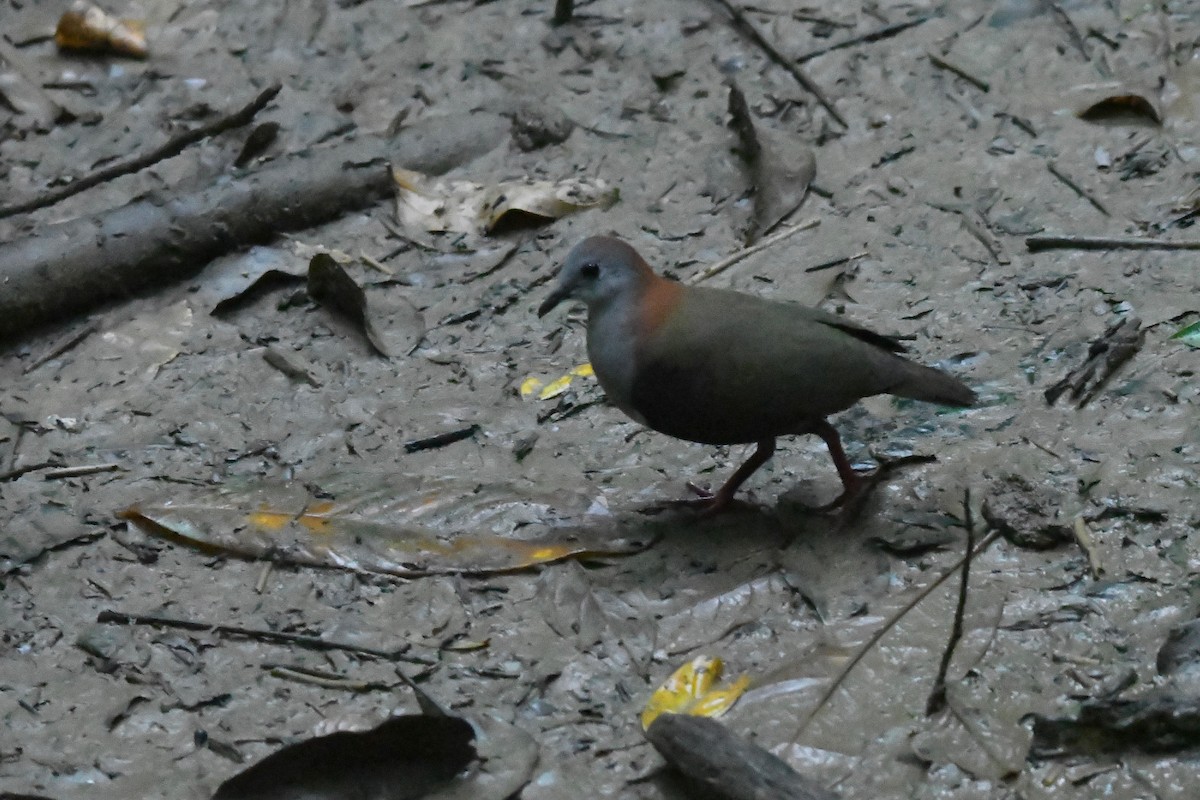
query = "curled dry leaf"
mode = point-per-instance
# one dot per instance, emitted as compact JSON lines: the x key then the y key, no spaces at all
{"x":85,"y":26}
{"x":782,"y":167}
{"x":423,"y":203}
{"x":391,"y":324}
{"x":396,"y":524}
{"x":408,"y":756}
{"x":1120,"y":104}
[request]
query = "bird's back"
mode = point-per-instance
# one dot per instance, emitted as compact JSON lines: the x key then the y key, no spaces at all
{"x":726,"y":367}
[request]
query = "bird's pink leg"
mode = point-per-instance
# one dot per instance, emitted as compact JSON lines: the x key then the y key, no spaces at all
{"x":852,"y":482}
{"x":715,"y":502}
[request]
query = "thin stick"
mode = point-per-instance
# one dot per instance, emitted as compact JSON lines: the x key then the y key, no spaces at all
{"x":749,"y":31}
{"x":80,"y":471}
{"x":172,"y":147}
{"x":63,"y":345}
{"x":1076,"y":188}
{"x":1071,"y":242}
{"x":867,"y":646}
{"x":837,"y":262}
{"x":122,"y":618}
{"x":770,"y":241}
{"x":937,"y":698}
{"x":327,"y":682}
{"x":942,"y":63}
{"x":886,"y":32}
{"x":563,"y":11}
{"x":1083,"y":536}
{"x":1072,"y":31}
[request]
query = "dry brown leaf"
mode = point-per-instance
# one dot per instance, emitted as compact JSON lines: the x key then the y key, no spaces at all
{"x":423,"y":203}
{"x":85,"y":26}
{"x":394,"y":524}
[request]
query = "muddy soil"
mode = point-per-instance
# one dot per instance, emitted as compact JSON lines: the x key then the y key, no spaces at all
{"x":926,"y":195}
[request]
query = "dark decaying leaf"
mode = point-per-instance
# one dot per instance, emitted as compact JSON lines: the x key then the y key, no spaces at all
{"x":44,"y":527}
{"x":405,"y":758}
{"x":1105,"y":356}
{"x":718,"y":760}
{"x":1122,"y":108}
{"x":1162,"y":722}
{"x":395,"y":524}
{"x":782,"y":167}
{"x":1181,"y":650}
{"x":391,"y":324}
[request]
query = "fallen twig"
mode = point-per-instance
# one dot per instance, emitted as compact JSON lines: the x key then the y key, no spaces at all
{"x":172,"y":147}
{"x":1071,"y":242}
{"x":937,"y":697}
{"x":121,"y":618}
{"x":886,"y":32}
{"x":76,"y":472}
{"x":1083,"y":536}
{"x":441,"y":439}
{"x":942,"y":63}
{"x":63,"y":345}
{"x":749,"y":31}
{"x":1076,"y":188}
{"x":868,"y":645}
{"x":325,"y":680}
{"x":770,"y":241}
{"x":76,"y":265}
{"x":976,"y":225}
{"x":837,"y":262}
{"x":1072,"y":31}
{"x":1117,"y":345}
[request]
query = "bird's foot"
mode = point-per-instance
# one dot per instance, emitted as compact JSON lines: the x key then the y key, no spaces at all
{"x":707,"y":502}
{"x":851,"y":490}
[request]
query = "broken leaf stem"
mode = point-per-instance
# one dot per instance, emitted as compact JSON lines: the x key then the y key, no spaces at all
{"x":749,"y":31}
{"x":172,"y":147}
{"x":869,"y":645}
{"x":110,"y":616}
{"x":937,"y":697}
{"x":1070,"y":242}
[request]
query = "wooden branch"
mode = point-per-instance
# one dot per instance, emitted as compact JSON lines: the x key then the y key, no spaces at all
{"x":709,"y":754}
{"x":73,"y":266}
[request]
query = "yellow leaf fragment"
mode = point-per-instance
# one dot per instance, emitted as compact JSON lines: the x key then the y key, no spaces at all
{"x":555,"y":387}
{"x":529,"y":386}
{"x":547,"y":391}
{"x":693,"y":689}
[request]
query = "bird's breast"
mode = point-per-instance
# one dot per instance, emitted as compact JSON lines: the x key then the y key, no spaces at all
{"x":612,"y":350}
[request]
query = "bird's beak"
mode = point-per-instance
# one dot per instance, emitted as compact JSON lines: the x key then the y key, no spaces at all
{"x":557,"y":296}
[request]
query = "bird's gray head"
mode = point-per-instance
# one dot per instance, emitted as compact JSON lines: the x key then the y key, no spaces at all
{"x":597,"y":270}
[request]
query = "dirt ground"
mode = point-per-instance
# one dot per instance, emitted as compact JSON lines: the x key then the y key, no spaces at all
{"x":179,"y":401}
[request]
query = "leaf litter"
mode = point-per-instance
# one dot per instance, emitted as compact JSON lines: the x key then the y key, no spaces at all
{"x":214,"y":412}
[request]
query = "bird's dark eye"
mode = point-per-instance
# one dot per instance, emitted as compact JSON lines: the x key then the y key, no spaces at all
{"x":590,"y":270}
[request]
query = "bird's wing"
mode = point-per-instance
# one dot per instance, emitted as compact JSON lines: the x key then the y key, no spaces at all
{"x":728,"y":367}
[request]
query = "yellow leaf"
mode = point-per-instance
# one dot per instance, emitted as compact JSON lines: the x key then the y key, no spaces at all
{"x":529,"y":386}
{"x":546,"y":391}
{"x":693,"y":689}
{"x":555,"y":387}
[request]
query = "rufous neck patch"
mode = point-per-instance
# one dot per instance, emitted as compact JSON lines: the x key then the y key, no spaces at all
{"x":660,"y":298}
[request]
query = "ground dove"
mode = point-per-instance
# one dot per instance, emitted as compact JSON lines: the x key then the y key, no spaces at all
{"x":722,"y":367}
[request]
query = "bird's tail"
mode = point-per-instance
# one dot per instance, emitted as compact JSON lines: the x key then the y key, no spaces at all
{"x":920,"y":382}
